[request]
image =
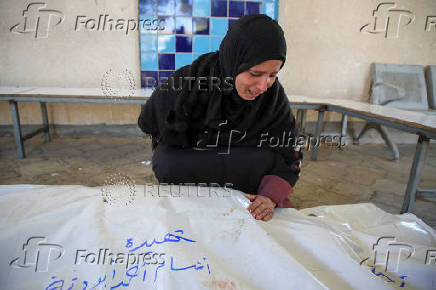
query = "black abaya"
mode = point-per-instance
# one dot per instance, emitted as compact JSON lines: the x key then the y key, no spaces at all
{"x":186,"y":118}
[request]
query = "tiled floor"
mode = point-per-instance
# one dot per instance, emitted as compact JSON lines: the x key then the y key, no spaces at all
{"x":356,"y":174}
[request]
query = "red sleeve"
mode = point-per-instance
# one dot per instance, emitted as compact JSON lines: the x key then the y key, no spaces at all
{"x":277,"y":189}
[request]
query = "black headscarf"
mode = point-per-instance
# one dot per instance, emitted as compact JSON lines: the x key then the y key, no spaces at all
{"x":192,"y":117}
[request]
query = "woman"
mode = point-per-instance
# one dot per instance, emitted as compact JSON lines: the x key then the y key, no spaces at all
{"x":226,"y":119}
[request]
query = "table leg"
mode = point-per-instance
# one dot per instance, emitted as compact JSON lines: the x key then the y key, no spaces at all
{"x":343,"y":131}
{"x":317,"y":133}
{"x":385,"y":135}
{"x":415,"y":173}
{"x":17,"y":128}
{"x":303,"y":120}
{"x":45,"y":124}
{"x":298,"y":119}
{"x":368,"y":125}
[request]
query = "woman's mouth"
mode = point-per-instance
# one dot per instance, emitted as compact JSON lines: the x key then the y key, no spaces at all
{"x":252,"y":94}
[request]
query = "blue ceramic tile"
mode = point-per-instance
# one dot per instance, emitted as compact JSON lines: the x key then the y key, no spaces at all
{"x":147,"y":7}
{"x":215,"y":42}
{"x":183,"y":25}
{"x":168,"y":23}
{"x":200,"y":25}
{"x":252,"y":8}
{"x":149,"y":61}
{"x":201,"y":8}
{"x":219,"y":8}
{"x":201,"y":44}
{"x":269,"y":8}
{"x":166,"y":43}
{"x":148,"y":43}
{"x":183,"y":44}
{"x":236,"y":9}
{"x":165,"y":7}
{"x":148,"y":79}
{"x":200,"y":33}
{"x":183,"y":59}
{"x":184,"y":7}
{"x":166,"y":61}
{"x":231,"y":21}
{"x":195,"y":56}
{"x":164,"y":74}
{"x":218,"y":26}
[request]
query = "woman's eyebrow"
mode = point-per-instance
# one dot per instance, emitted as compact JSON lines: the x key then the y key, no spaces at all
{"x":259,"y":71}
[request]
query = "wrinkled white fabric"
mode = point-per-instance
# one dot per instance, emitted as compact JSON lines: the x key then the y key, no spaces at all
{"x":50,"y":236}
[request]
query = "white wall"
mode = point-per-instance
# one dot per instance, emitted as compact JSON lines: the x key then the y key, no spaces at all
{"x":68,"y":58}
{"x":329,"y":57}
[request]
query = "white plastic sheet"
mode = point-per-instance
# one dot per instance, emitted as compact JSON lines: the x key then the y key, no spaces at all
{"x":51,"y":238}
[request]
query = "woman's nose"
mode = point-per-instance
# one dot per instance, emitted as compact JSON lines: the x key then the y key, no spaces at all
{"x":263,"y":83}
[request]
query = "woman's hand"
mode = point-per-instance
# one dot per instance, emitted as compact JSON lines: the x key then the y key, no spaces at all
{"x":261,"y":207}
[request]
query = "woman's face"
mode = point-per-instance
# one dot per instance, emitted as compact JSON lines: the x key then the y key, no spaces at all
{"x":257,"y":79}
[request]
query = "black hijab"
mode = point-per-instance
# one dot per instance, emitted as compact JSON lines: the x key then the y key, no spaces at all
{"x":186,"y":115}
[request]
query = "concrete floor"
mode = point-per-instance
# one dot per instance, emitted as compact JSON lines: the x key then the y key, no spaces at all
{"x":356,"y":174}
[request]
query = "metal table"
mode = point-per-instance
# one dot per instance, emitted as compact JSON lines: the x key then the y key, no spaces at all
{"x":409,"y":121}
{"x":58,"y":95}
